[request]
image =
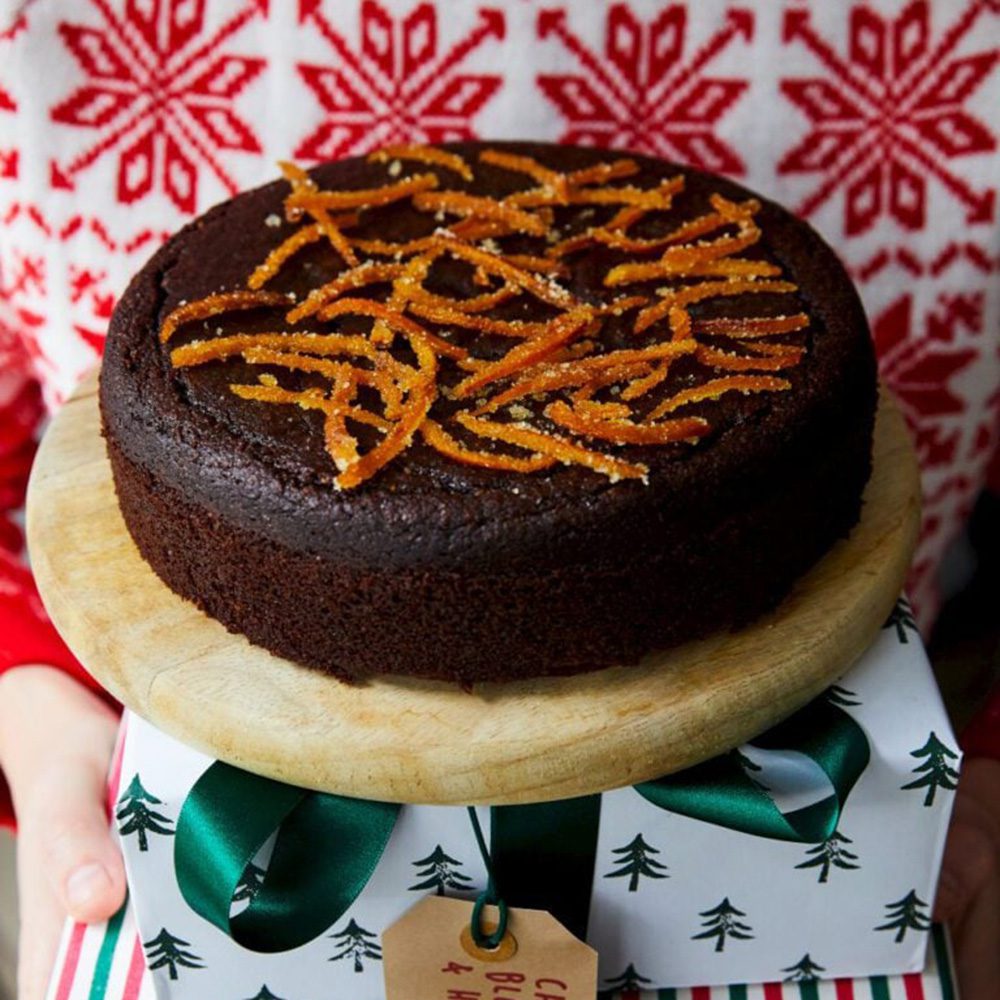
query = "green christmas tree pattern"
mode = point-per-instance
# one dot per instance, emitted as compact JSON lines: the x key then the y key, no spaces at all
{"x":357,"y":943}
{"x":438,"y":871}
{"x":626,"y":985}
{"x":830,"y":854}
{"x":265,"y":994}
{"x":636,"y":863}
{"x":721,"y":923}
{"x":840,"y":696}
{"x":805,"y":970}
{"x":937,"y":772}
{"x":901,"y":619}
{"x":135,"y":816}
{"x":167,"y":950}
{"x":250,"y":882}
{"x":905,"y":915}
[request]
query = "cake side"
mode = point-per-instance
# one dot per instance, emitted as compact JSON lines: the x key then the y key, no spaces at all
{"x":429,"y":557}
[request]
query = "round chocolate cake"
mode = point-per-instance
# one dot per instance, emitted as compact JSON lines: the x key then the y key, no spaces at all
{"x":488,"y":411}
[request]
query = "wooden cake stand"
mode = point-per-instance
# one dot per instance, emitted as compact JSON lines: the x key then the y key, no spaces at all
{"x":403,"y":740}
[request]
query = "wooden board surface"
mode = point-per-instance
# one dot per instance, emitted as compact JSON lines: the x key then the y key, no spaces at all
{"x":404,"y":740}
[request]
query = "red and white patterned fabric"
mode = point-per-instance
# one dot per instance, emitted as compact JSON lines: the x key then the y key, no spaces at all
{"x":876,"y":120}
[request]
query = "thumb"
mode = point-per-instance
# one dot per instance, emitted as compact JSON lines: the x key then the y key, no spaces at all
{"x":70,"y":829}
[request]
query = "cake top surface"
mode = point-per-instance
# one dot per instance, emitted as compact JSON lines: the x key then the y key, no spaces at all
{"x":480,"y":350}
{"x":507,"y":310}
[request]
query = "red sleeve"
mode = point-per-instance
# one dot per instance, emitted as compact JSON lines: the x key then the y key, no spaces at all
{"x":982,"y":736}
{"x":26,"y":634}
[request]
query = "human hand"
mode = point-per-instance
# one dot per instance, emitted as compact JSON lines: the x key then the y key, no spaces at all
{"x":968,"y":896}
{"x":56,"y":740}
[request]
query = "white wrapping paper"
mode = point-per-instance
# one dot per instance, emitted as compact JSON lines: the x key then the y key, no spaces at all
{"x":692,"y":903}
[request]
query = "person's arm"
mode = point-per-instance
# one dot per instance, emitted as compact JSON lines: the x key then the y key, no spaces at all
{"x":26,"y":634}
{"x":57,"y":731}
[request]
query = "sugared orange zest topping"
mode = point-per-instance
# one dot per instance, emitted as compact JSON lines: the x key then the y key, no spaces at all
{"x":585,"y":371}
{"x":472,"y":206}
{"x":263,"y":273}
{"x":601,"y":173}
{"x":550,"y":180}
{"x":685,"y":296}
{"x":424,"y":154}
{"x":440,"y":440}
{"x":308,"y":200}
{"x":750,"y":327}
{"x":303,"y":185}
{"x":715,"y":358}
{"x":558,"y":448}
{"x":715,"y":388}
{"x":561,"y":331}
{"x":393,"y":319}
{"x":547,"y":291}
{"x":216,"y":305}
{"x":623,"y":431}
{"x":477,"y":304}
{"x":642,"y":384}
{"x":368,"y":273}
{"x":559,"y":393}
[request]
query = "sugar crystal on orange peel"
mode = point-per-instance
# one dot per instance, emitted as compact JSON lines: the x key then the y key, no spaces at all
{"x":621,"y":431}
{"x":559,"y":448}
{"x":714,"y":388}
{"x":215,"y":305}
{"x":440,"y":440}
{"x":424,"y":154}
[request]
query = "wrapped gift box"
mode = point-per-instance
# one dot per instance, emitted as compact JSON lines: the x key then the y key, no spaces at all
{"x":105,"y":962}
{"x":811,"y":853}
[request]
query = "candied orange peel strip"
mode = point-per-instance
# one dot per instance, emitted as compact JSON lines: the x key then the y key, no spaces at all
{"x":706,"y":290}
{"x":440,"y":440}
{"x":559,"y":448}
{"x":547,"y":291}
{"x":623,"y":431}
{"x":309,"y":200}
{"x":552,"y":181}
{"x":393,"y":319}
{"x":714,"y":388}
{"x":428,"y":155}
{"x":366,"y":273}
{"x":714,"y":358}
{"x":303,"y":186}
{"x":216,"y":305}
{"x":551,"y":376}
{"x":476,"y":207}
{"x":751,"y":327}
{"x":559,"y":333}
{"x":199,"y":352}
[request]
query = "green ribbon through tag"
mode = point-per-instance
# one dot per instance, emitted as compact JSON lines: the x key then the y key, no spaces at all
{"x":328,"y":846}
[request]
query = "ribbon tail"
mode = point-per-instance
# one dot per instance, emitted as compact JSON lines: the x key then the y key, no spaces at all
{"x":325,"y":851}
{"x":544,"y":855}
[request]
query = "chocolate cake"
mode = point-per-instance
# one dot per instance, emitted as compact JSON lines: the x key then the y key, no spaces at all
{"x":488,"y":411}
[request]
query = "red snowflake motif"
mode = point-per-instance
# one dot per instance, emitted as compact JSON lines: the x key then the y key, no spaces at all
{"x":645,"y":92}
{"x":91,"y":304}
{"x":395,"y":86}
{"x":159,"y":92}
{"x":919,"y":369}
{"x":8,"y":157}
{"x":890,"y":116}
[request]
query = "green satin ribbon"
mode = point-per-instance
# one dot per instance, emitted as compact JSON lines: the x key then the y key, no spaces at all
{"x":543,"y":857}
{"x":720,"y":791}
{"x":327,"y":848}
